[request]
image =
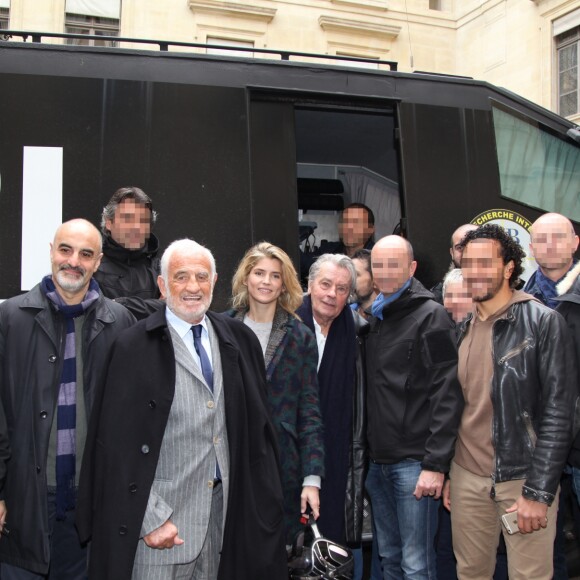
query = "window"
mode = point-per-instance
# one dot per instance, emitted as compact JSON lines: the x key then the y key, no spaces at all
{"x":4,"y":18}
{"x":91,"y":25}
{"x":568,"y":49}
{"x":536,"y":168}
{"x":435,"y":5}
{"x":232,"y":43}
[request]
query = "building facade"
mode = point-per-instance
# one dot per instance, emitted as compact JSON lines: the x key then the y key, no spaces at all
{"x":531,"y":47}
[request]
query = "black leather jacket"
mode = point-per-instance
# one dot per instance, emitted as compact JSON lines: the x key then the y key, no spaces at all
{"x":533,"y":394}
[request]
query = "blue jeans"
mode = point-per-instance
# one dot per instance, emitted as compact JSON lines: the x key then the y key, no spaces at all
{"x":358,"y":556}
{"x":405,"y":526}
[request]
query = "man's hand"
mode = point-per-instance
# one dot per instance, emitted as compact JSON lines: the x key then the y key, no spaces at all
{"x":3,"y":513}
{"x":310,"y":495}
{"x":166,"y":536}
{"x":430,"y":483}
{"x":446,"y":495}
{"x":531,"y":514}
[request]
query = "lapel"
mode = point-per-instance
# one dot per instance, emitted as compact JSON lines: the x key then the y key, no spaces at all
{"x":229,"y":355}
{"x":228,"y":350}
{"x":276,"y":342}
{"x":183,"y":356}
{"x":232,"y":384}
{"x":216,"y":361}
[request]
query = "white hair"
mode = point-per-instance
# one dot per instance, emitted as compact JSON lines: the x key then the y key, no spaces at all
{"x":340,"y":261}
{"x":454,"y":275}
{"x":187,"y":246}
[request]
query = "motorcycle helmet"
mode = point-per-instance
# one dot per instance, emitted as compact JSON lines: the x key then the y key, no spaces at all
{"x":323,"y":560}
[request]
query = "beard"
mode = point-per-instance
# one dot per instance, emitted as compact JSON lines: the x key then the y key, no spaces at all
{"x":362,"y":298}
{"x":71,"y":284}
{"x":191,"y":316}
{"x":495,"y":287}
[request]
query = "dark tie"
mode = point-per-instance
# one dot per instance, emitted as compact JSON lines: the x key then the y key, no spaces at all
{"x":206,"y":370}
{"x":203,"y":358}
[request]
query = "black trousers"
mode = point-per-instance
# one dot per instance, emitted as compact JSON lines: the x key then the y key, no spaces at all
{"x":68,"y":560}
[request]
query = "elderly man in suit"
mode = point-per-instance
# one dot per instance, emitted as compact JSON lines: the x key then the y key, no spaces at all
{"x":184,"y":463}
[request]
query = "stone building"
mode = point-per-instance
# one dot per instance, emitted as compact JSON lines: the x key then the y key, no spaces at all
{"x":531,"y":47}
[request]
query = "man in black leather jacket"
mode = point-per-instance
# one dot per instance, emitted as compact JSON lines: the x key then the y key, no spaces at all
{"x":130,"y":266}
{"x":518,"y":374}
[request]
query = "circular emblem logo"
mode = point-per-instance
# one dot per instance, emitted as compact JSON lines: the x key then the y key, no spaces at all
{"x":517,"y":226}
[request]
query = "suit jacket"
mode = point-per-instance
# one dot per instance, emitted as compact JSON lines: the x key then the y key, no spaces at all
{"x":125,"y":439}
{"x":181,"y":490}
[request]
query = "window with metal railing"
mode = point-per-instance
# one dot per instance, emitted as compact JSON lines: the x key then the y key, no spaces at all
{"x":568,"y":55}
{"x":91,"y":25}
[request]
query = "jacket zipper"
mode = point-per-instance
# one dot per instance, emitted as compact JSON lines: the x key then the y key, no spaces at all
{"x":515,"y":351}
{"x":409,"y":354}
{"x":530,"y":428}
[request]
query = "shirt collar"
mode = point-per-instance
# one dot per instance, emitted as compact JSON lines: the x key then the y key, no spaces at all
{"x":181,"y":326}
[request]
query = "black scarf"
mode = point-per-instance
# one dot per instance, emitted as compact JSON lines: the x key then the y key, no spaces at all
{"x":336,"y":376}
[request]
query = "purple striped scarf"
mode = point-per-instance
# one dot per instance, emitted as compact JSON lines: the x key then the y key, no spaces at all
{"x":66,"y":414}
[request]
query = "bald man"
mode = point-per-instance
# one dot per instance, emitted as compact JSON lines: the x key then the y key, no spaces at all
{"x":54,"y":347}
{"x":553,"y":244}
{"x":455,"y":250}
{"x":414,"y":407}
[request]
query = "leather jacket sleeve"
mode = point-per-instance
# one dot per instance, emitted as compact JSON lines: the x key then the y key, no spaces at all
{"x":556,"y":367}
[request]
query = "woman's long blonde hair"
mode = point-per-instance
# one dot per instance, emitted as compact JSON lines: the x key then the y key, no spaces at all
{"x":291,"y":297}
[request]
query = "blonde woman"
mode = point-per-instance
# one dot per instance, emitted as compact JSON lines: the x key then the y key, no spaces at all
{"x":265,"y":295}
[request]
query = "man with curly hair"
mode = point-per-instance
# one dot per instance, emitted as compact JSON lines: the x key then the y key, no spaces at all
{"x":517,"y":371}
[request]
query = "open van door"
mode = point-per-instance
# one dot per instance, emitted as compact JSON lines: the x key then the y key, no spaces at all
{"x":313,"y":154}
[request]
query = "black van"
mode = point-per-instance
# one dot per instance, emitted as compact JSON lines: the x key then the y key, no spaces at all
{"x":236,"y":150}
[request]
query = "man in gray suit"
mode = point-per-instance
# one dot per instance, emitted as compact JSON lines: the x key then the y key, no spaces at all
{"x":182,"y":440}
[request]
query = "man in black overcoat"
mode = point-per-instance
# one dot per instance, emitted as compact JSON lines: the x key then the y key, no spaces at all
{"x":183,"y":471}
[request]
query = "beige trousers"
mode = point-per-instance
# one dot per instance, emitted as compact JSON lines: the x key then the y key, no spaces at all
{"x":476,"y":525}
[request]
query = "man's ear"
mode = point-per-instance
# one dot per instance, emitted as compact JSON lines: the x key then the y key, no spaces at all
{"x":162,"y":287}
{"x":509,"y":269}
